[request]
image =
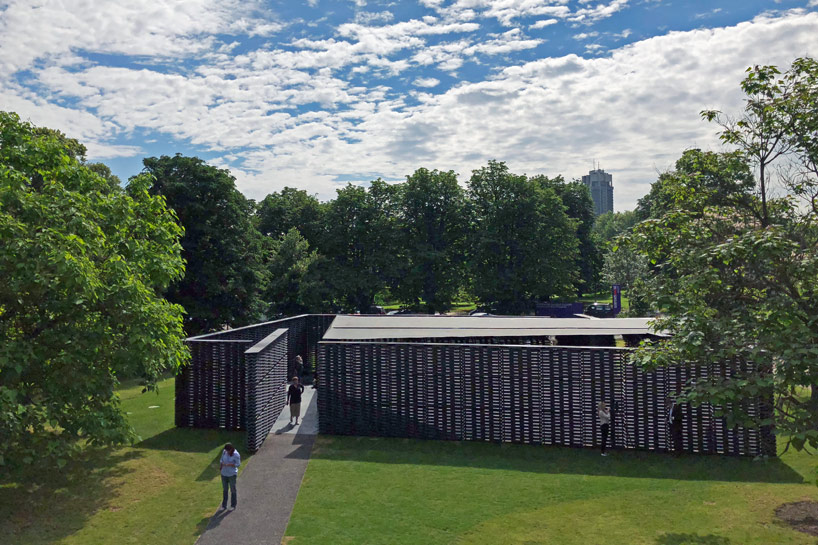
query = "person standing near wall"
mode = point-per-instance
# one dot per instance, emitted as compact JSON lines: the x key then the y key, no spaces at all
{"x":605,"y":424}
{"x":294,"y":399}
{"x":299,"y":366}
{"x":675,"y":421}
{"x":229,"y":467}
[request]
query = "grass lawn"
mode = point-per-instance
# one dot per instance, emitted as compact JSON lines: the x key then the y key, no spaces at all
{"x":395,"y":491}
{"x":161,"y":491}
{"x":603,"y":297}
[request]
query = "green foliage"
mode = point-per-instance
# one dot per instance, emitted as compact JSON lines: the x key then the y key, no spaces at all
{"x":291,"y":208}
{"x":736,"y":269}
{"x":81,"y":267}
{"x":361,"y":243}
{"x":294,"y":286}
{"x":523,"y":242}
{"x":626,"y":267}
{"x":576,"y":197}
{"x":433,"y":229}
{"x":223,"y":249}
{"x":700,"y":180}
{"x":608,"y":226}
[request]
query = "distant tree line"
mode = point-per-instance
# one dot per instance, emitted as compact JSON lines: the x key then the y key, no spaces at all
{"x":505,"y":240}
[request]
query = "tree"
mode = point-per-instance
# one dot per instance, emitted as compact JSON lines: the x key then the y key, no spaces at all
{"x":433,"y":227}
{"x":576,"y":197}
{"x":294,"y":287}
{"x":632,"y":271}
{"x":82,"y":269}
{"x":608,"y":226}
{"x":523,"y":243}
{"x":701,"y":180}
{"x":224,"y":252}
{"x":736,"y":276}
{"x":625,"y":267}
{"x":280,"y":212}
{"x":361,"y":243}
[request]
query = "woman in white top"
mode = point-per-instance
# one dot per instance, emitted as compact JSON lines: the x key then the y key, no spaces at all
{"x":605,"y":420}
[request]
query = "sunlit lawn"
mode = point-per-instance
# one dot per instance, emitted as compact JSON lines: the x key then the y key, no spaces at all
{"x":381,"y":491}
{"x":393,"y":491}
{"x":161,"y":491}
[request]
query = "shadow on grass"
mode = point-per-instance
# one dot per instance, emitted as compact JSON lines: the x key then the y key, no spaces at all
{"x":197,"y":440}
{"x":192,"y":440}
{"x":46,"y":504}
{"x":555,"y":460}
{"x":691,"y":539}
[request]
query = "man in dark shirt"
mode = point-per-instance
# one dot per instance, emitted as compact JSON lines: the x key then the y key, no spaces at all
{"x":676,"y":424}
{"x":294,"y":399}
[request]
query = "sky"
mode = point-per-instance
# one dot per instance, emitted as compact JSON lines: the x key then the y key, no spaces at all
{"x":315,"y":94}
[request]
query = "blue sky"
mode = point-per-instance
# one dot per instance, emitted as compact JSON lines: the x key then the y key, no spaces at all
{"x":314,"y":94}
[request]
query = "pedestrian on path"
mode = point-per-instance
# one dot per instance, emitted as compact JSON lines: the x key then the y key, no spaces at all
{"x":294,"y":399}
{"x":605,"y":423}
{"x":299,"y":366}
{"x":229,"y":467}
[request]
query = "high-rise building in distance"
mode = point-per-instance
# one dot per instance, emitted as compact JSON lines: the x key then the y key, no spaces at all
{"x":600,"y":184}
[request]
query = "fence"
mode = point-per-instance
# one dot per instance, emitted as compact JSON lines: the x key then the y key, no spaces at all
{"x":528,"y":394}
{"x":236,"y":378}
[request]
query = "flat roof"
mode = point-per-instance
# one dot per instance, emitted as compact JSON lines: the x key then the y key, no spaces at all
{"x":357,"y":328}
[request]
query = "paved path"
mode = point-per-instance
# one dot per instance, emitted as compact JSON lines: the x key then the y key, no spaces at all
{"x":268,"y":486}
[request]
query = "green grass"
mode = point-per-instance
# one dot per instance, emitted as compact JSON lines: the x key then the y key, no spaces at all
{"x":161,"y":491}
{"x":384,"y":491}
{"x":603,"y":297}
{"x":394,"y":491}
{"x":461,"y":307}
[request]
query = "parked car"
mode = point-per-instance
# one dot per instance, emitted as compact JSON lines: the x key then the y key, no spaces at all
{"x":600,"y":310}
{"x":401,"y":311}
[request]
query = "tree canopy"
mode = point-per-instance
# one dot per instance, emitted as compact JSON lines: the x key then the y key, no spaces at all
{"x":225,"y":274}
{"x":576,"y":197}
{"x":82,"y":269}
{"x":523,"y":244}
{"x":361,"y":243}
{"x":291,"y":208}
{"x":736,"y":266}
{"x":433,"y":225}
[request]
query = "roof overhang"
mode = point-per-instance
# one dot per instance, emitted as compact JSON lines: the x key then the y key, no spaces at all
{"x":360,"y":328}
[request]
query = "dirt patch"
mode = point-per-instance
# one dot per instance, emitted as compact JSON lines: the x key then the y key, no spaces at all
{"x":800,"y":515}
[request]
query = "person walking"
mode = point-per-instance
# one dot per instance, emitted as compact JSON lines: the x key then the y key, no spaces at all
{"x":299,"y":366}
{"x":604,"y":414}
{"x":229,"y":467}
{"x":294,"y":399}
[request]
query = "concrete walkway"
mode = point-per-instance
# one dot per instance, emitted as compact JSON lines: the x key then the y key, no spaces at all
{"x":268,"y":486}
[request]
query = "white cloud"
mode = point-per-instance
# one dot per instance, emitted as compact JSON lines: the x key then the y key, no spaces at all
{"x":98,"y":151}
{"x":369,"y":17}
{"x":507,"y":11}
{"x":635,"y":109}
{"x":426,"y":82}
{"x":812,"y":4}
{"x":601,"y":11}
{"x":584,"y":35}
{"x":542,"y":23}
{"x":175,"y":28}
{"x":706,"y":14}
